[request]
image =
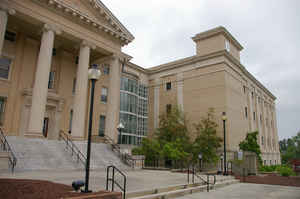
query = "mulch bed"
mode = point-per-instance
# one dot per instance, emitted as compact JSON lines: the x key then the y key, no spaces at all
{"x":272,"y":180}
{"x":36,"y":189}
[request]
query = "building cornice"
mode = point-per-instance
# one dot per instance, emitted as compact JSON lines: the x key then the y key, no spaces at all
{"x":117,"y":30}
{"x":194,"y":59}
{"x":247,"y":73}
{"x":216,"y":31}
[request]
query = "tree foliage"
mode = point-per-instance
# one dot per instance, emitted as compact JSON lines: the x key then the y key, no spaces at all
{"x":207,"y":142}
{"x":290,"y":148}
{"x":171,"y":140}
{"x":250,"y":144}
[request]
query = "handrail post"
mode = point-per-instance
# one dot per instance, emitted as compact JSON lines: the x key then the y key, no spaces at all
{"x":107,"y":175}
{"x":207,"y":183}
{"x":188,"y":174}
{"x":193,"y":174}
{"x":124,"y":188}
{"x":113,"y":177}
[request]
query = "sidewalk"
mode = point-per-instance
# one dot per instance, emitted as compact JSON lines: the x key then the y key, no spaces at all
{"x":248,"y":191}
{"x":136,"y":180}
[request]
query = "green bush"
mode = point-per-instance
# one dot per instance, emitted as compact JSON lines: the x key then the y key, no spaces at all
{"x":266,"y":168}
{"x":285,"y":171}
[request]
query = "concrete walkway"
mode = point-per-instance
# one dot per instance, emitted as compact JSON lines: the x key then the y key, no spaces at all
{"x":249,"y":191}
{"x":136,"y":180}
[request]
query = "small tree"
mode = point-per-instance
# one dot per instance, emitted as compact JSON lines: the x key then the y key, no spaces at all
{"x":207,"y":142}
{"x":173,"y":135}
{"x":250,"y":144}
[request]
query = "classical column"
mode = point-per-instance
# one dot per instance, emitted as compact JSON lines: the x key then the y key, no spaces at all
{"x":180,"y":90}
{"x":3,"y":23}
{"x":40,"y":88}
{"x":81,"y":91}
{"x":113,"y":102}
{"x":156,"y":103}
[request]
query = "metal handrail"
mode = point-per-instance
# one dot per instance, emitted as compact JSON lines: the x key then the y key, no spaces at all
{"x":205,"y":181}
{"x":6,"y":147}
{"x":113,"y":181}
{"x":73,"y":147}
{"x":127,"y":158}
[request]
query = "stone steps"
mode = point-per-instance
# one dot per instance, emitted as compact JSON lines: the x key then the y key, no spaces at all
{"x":178,"y":190}
{"x":4,"y":160}
{"x":43,"y":154}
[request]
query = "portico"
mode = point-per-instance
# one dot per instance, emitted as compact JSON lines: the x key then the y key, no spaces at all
{"x":60,"y":33}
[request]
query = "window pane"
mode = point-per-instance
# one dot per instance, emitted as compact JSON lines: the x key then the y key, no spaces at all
{"x":2,"y":110}
{"x":4,"y":67}
{"x":102,"y":125}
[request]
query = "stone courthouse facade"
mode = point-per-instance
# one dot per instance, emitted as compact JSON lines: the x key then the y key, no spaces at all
{"x":47,"y":46}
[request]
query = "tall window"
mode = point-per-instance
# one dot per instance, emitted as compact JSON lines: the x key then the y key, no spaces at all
{"x":244,"y":89}
{"x":74,"y":86}
{"x":227,"y":45}
{"x":2,"y":109}
{"x":10,"y":36}
{"x":262,"y":140}
{"x":169,"y":108}
{"x":246,"y":112}
{"x":70,"y":122}
{"x":104,"y":95}
{"x":106,"y":69}
{"x":102,"y":125}
{"x":254,"y":116}
{"x":4,"y":67}
{"x":168,"y":86}
{"x":51,"y":80}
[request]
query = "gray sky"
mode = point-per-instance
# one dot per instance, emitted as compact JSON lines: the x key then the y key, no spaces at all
{"x":269,"y":30}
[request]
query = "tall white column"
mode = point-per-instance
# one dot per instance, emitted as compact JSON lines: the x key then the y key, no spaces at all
{"x":3,"y":23}
{"x":113,"y":102}
{"x":81,"y":91}
{"x":40,"y":88}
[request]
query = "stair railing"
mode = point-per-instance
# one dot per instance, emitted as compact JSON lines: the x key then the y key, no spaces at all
{"x":126,"y":158}
{"x":74,"y":149}
{"x":111,"y":178}
{"x":6,"y":147}
{"x":194,"y":173}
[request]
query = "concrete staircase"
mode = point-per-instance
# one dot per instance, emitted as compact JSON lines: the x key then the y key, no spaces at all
{"x":179,"y":190}
{"x":4,"y":160}
{"x":43,"y":154}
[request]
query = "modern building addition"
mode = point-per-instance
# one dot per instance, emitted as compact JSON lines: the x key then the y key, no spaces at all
{"x":47,"y":47}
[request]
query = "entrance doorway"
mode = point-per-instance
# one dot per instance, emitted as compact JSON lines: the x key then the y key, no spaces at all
{"x":45,"y":126}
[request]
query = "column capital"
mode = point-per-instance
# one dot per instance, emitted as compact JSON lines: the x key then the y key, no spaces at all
{"x":7,"y":9}
{"x":88,"y":44}
{"x":51,"y":27}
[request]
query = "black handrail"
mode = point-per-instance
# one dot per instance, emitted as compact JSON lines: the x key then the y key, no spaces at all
{"x":113,"y":181}
{"x":195,"y":174}
{"x":126,"y":158}
{"x":6,"y":147}
{"x":73,"y":147}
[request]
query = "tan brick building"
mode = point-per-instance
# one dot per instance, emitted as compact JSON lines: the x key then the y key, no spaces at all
{"x":47,"y":46}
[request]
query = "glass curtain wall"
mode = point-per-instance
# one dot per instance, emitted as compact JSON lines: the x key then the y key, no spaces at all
{"x":133,"y":111}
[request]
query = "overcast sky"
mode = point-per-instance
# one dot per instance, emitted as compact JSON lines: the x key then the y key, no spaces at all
{"x":269,"y":30}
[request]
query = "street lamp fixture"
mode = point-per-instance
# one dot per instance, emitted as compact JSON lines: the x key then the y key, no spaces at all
{"x":120,"y":128}
{"x":200,"y":161}
{"x":93,"y":75}
{"x":224,"y":118}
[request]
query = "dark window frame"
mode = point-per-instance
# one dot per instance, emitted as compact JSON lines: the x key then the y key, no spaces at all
{"x":168,"y":86}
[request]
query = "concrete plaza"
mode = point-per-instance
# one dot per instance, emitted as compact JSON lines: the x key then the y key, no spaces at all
{"x":136,"y":180}
{"x":248,"y":191}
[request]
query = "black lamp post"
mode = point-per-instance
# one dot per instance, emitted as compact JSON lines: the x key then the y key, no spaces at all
{"x":120,"y":127}
{"x":200,"y":161}
{"x":94,"y":74}
{"x":224,"y":118}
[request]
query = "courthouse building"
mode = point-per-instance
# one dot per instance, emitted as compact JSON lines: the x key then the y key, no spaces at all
{"x":47,"y":46}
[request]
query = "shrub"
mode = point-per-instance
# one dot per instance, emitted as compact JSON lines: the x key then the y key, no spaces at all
{"x":285,"y":171}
